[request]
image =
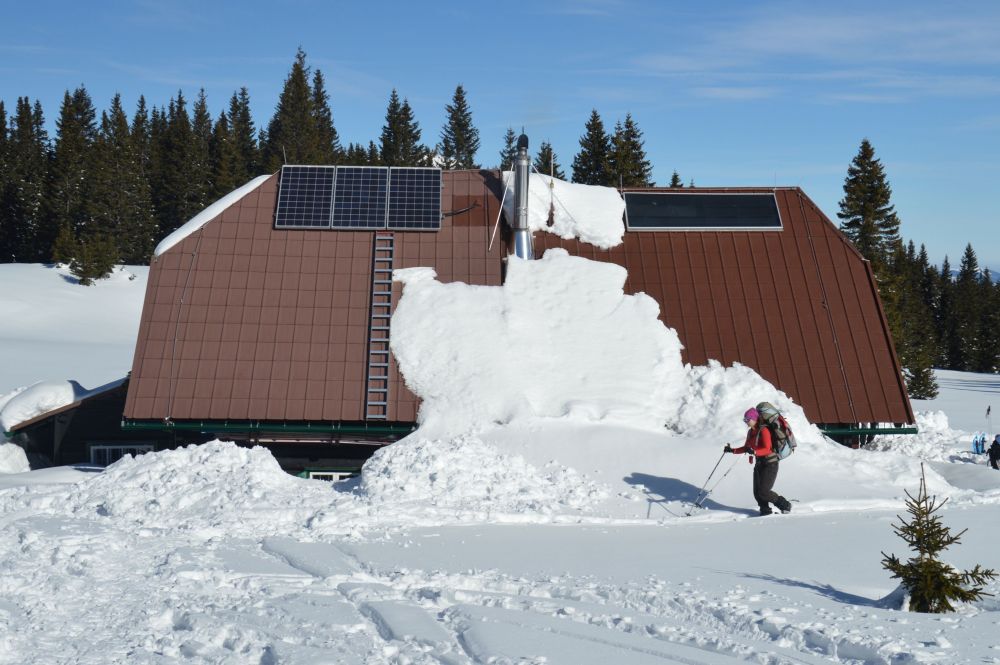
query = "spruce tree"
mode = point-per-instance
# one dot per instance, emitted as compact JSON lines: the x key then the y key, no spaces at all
{"x":28,"y":234}
{"x":120,"y":205}
{"x":355,"y":155}
{"x":141,"y":138}
{"x":913,"y":328}
{"x":6,"y":226}
{"x":950,"y":343}
{"x":72,"y":164}
{"x":509,"y":151}
{"x":931,"y":583}
{"x":180,"y":193}
{"x":627,"y":159}
{"x":292,"y":136}
{"x":244,"y":138}
{"x":987,"y":356}
{"x":400,"y":140}
{"x":591,"y":165}
{"x":459,"y":138}
{"x":201,"y":154}
{"x":868,"y":218}
{"x":224,"y":157}
{"x":373,"y":156}
{"x":547,"y":163}
{"x":328,"y":148}
{"x":675,"y":180}
{"x":969,"y":293}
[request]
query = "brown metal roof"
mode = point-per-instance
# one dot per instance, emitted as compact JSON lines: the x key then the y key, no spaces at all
{"x":243,"y":321}
{"x":798,"y":305}
{"x":246,"y":322}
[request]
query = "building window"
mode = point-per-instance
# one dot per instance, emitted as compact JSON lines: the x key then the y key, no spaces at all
{"x":330,"y":476}
{"x":107,"y":454}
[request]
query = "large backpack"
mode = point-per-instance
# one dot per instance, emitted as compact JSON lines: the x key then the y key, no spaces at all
{"x":782,"y":440}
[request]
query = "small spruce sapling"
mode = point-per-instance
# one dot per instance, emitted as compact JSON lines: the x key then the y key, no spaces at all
{"x":932,"y":584}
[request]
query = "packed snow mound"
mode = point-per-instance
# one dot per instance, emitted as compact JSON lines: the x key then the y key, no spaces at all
{"x":717,"y":398}
{"x":13,"y":459}
{"x":559,"y":339}
{"x":200,"y":487}
{"x":935,"y":440}
{"x":592,"y":213}
{"x":470,"y":477}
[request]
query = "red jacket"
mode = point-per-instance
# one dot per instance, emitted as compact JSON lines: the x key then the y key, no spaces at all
{"x":758,"y":441}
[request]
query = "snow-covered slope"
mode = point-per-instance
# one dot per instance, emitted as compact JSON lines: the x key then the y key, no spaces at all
{"x":54,"y":329}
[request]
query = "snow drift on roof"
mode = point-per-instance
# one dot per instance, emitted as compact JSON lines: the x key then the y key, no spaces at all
{"x":559,"y":339}
{"x":591,"y":213}
{"x":208,"y":214}
{"x":42,"y":397}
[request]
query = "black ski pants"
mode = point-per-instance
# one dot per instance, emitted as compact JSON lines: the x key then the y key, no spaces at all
{"x":765,"y":472}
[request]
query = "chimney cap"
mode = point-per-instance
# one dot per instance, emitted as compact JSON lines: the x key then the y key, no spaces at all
{"x":522,"y":142}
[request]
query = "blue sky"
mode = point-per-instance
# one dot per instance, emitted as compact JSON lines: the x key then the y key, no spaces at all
{"x":728,"y":93}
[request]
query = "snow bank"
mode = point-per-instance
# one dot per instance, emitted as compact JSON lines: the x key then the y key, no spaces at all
{"x":208,"y":214}
{"x":13,"y":459}
{"x":559,"y":339}
{"x":591,"y":213}
{"x":469,"y":476}
{"x":718,"y":396}
{"x":199,"y":488}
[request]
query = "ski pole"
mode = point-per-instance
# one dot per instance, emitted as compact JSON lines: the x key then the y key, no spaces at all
{"x":701,"y":499}
{"x":710,"y":476}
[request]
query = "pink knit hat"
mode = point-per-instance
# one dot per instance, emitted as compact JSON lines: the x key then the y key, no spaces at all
{"x":751,"y":414}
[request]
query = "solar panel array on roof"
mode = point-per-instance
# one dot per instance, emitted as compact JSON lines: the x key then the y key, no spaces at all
{"x":677,"y":211}
{"x":305,"y":197}
{"x":359,"y":198}
{"x":414,"y":198}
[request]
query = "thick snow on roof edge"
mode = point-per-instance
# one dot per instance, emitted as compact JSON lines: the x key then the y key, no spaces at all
{"x":590,"y":213}
{"x":26,"y":403}
{"x":208,"y":214}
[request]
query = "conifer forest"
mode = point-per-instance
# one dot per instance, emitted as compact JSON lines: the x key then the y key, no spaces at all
{"x":110,"y":184}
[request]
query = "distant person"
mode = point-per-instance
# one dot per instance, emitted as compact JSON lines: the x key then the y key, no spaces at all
{"x":765,"y":470}
{"x":995,"y":452}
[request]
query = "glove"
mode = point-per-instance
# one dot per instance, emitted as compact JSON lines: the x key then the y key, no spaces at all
{"x":727,"y":449}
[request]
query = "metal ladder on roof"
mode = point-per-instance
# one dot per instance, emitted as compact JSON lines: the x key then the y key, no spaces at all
{"x":377,"y":376}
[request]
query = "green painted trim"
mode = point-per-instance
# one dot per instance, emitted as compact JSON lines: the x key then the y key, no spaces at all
{"x":258,"y":426}
{"x":851,"y":431}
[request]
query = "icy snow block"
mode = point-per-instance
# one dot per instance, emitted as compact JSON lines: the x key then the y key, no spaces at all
{"x":318,"y":559}
{"x":396,"y":621}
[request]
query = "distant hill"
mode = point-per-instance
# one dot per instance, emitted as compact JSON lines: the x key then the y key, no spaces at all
{"x":994,"y":274}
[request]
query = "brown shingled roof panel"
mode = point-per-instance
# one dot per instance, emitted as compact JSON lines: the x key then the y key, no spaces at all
{"x":243,"y":321}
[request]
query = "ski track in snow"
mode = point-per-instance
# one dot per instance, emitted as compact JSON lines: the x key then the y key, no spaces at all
{"x":106,"y":590}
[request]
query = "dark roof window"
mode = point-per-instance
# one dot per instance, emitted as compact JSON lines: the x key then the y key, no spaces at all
{"x":681,"y":211}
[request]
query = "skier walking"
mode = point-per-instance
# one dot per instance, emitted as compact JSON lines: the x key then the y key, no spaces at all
{"x":995,"y":452}
{"x":765,"y":470}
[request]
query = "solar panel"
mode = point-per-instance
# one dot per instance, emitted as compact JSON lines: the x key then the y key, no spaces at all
{"x":677,"y":211}
{"x":305,"y":195}
{"x":359,"y":198}
{"x":415,"y":198}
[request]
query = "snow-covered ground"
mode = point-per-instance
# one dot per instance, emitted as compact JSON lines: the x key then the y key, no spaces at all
{"x":539,"y":517}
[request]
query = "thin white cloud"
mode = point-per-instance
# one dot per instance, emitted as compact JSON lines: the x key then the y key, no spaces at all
{"x":735,"y":93}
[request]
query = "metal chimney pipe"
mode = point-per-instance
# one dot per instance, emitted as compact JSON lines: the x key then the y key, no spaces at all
{"x":521,"y":245}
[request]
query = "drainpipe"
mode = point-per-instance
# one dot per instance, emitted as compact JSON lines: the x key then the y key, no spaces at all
{"x":521,"y":241}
